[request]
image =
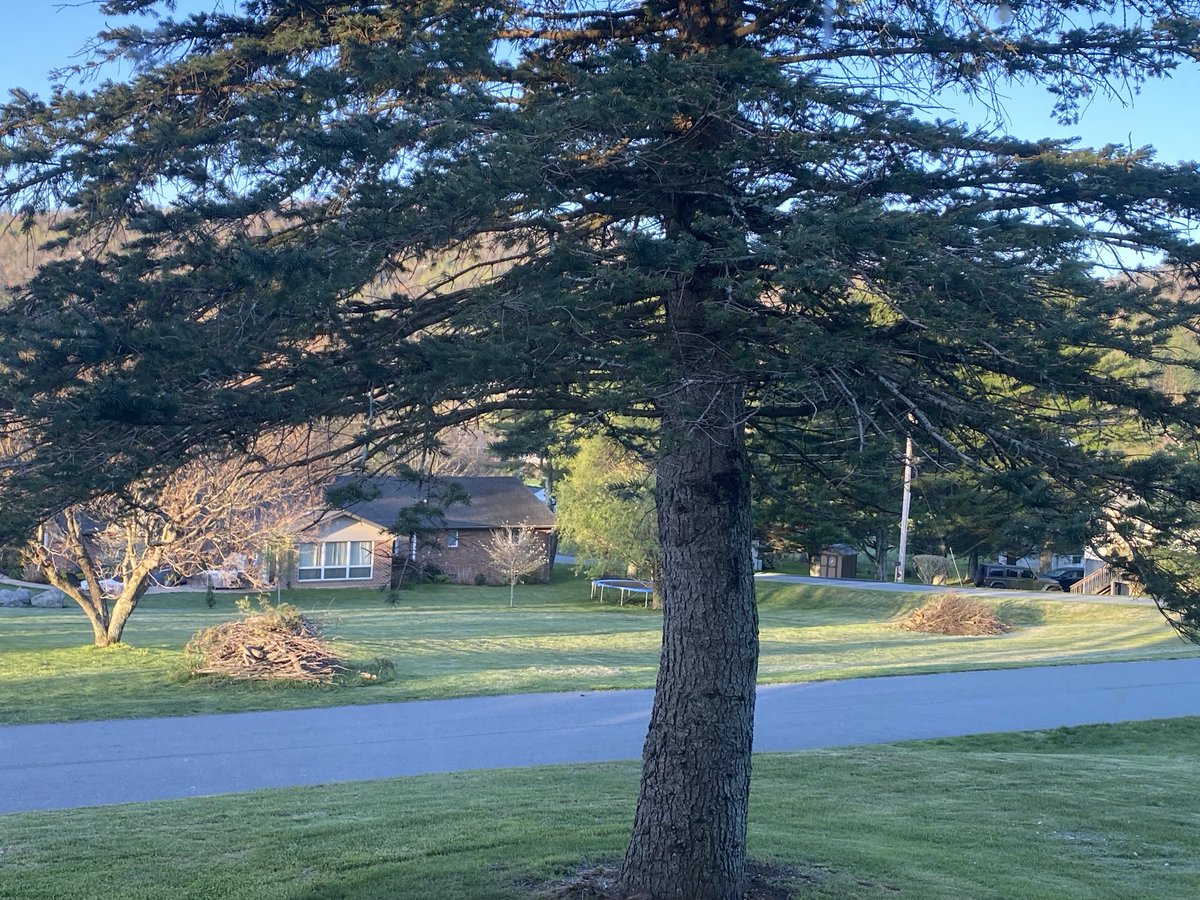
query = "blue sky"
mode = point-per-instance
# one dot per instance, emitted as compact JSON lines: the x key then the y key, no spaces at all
{"x":39,"y":35}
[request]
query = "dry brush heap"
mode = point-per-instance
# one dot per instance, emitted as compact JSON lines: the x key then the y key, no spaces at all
{"x":276,"y":642}
{"x":954,"y":614}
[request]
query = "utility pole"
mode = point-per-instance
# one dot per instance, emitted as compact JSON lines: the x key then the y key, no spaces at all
{"x":904,"y":507}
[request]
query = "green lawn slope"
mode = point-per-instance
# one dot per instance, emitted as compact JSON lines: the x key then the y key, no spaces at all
{"x":452,"y":641}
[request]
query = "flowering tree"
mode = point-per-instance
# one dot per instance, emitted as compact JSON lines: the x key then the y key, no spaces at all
{"x":516,"y":550}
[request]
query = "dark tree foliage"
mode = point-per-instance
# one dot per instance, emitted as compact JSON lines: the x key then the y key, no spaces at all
{"x":679,"y":217}
{"x":535,"y":444}
{"x":812,"y":488}
{"x":985,"y":514}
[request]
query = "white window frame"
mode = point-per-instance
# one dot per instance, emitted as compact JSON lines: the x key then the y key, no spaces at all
{"x":452,"y":538}
{"x":326,"y":569}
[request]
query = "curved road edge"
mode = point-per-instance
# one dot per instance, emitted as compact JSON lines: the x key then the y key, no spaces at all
{"x":125,"y":761}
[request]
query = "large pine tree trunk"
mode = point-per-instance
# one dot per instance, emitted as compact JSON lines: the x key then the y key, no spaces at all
{"x":689,"y":831}
{"x":689,"y":834}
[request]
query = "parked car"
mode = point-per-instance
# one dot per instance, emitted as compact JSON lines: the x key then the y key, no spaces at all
{"x":165,"y":576}
{"x":220,"y":579}
{"x":109,"y":587}
{"x":1012,"y":577}
{"x":1060,"y":579}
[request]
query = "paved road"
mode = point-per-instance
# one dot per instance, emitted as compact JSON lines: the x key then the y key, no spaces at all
{"x":855,"y":583}
{"x":91,"y":763}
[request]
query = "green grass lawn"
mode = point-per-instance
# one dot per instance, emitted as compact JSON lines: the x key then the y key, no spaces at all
{"x":450,"y":641}
{"x":1076,"y":814}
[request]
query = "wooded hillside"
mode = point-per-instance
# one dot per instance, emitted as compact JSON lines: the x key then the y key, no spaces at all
{"x":22,"y":252}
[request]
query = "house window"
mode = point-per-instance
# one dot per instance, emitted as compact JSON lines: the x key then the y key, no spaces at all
{"x":452,"y":537}
{"x":360,"y":559}
{"x":335,"y":560}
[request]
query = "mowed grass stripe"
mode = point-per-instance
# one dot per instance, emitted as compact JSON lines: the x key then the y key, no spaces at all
{"x":451,"y":641}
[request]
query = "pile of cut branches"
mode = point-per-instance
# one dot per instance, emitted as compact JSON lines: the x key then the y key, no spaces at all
{"x":274,"y":642}
{"x":954,"y":614}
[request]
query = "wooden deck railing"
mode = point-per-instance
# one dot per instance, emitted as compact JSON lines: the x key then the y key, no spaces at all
{"x":1098,"y":582}
{"x":1107,"y":580}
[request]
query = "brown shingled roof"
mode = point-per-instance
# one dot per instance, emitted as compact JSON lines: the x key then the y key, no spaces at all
{"x":494,"y":501}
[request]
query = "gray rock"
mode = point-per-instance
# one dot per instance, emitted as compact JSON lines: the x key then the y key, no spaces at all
{"x":51,"y":599}
{"x":11,"y":597}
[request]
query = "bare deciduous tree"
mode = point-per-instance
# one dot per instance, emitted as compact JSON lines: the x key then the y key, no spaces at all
{"x":447,"y":453}
{"x":931,"y":569}
{"x":516,"y":550}
{"x":216,"y":512}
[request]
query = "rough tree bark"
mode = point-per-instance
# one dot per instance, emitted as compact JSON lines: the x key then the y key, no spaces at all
{"x":689,"y":833}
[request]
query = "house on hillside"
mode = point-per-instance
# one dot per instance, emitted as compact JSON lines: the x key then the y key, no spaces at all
{"x":365,"y":544}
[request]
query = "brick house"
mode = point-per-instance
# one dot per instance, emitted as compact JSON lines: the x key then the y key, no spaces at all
{"x":363,"y":544}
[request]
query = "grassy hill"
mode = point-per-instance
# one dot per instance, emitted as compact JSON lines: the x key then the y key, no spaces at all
{"x":22,"y":252}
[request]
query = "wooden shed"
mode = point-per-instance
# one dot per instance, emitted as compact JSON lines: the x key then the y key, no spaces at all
{"x":835,"y":561}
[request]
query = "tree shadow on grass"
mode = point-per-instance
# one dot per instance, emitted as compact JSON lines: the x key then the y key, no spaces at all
{"x":767,"y":881}
{"x":1016,"y":614}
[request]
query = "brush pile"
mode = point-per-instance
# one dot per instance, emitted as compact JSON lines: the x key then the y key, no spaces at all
{"x":275,"y":642}
{"x":954,"y":614}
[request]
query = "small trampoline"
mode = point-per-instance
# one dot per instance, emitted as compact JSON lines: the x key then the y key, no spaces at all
{"x":624,"y":588}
